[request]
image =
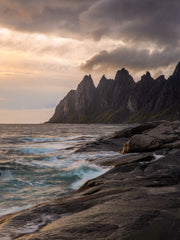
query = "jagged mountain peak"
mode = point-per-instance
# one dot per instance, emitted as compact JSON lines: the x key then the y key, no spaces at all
{"x":103,"y":78}
{"x":87,"y":78}
{"x":87,"y":82}
{"x":121,"y":99}
{"x":161,"y":78}
{"x":121,"y":73}
{"x":177,"y":70}
{"x":124,"y":78}
{"x":146,"y":76}
{"x":104,"y":82}
{"x":123,"y":70}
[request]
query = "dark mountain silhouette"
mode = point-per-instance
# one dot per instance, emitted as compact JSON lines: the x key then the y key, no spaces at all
{"x":121,"y":100}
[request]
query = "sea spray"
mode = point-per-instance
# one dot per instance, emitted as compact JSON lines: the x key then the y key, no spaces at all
{"x":38,"y":162}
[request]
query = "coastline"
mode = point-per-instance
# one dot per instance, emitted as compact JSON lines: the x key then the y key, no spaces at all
{"x":138,"y":196}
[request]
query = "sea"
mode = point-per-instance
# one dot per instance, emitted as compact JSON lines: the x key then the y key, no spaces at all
{"x":39,"y":162}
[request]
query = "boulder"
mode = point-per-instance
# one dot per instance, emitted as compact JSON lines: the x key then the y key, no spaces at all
{"x":159,"y":137}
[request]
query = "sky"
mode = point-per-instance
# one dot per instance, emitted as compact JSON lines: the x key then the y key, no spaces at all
{"x":46,"y":47}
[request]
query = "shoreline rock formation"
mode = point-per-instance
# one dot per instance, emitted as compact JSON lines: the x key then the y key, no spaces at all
{"x":121,"y":100}
{"x":138,"y":198}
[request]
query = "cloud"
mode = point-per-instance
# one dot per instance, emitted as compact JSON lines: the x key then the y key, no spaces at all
{"x":43,"y":16}
{"x":135,"y":20}
{"x":34,"y":43}
{"x":130,"y":20}
{"x":135,"y":59}
{"x":43,"y":42}
{"x":138,"y":23}
{"x":55,"y":47}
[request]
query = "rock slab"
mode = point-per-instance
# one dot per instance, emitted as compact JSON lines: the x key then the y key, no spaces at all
{"x":138,"y":198}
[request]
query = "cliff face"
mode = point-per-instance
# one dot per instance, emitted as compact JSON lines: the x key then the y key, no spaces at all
{"x":123,"y":84}
{"x":85,"y":97}
{"x":104,"y":93}
{"x":121,"y":100}
{"x":77,"y":104}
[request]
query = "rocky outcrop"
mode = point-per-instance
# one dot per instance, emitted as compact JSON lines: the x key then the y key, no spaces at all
{"x":165,"y":135}
{"x":115,"y":141}
{"x":79,"y":105}
{"x":123,"y":84}
{"x":65,"y":109}
{"x":138,"y":198}
{"x":139,"y":97}
{"x":85,"y":98}
{"x":121,"y":100}
{"x":104,"y":93}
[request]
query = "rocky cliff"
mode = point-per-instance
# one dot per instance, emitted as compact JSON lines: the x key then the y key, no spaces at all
{"x":121,"y":100}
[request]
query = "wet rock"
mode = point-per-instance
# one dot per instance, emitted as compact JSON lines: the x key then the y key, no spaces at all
{"x":164,"y":135}
{"x":138,"y":198}
{"x":115,"y":141}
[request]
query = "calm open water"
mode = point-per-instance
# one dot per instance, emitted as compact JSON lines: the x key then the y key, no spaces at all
{"x":38,"y":163}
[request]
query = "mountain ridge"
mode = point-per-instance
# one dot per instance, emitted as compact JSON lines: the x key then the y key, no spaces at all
{"x":121,"y":100}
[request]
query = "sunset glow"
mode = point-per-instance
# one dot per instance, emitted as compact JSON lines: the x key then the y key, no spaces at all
{"x":47,"y":47}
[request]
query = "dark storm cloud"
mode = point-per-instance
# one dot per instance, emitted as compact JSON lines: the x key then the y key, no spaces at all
{"x":135,"y":22}
{"x":131,"y":58}
{"x":45,"y":16}
{"x":131,"y":20}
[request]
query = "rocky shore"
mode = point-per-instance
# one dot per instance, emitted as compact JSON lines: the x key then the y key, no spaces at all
{"x":137,"y":199}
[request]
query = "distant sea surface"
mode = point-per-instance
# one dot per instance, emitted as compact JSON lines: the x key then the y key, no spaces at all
{"x":38,"y":162}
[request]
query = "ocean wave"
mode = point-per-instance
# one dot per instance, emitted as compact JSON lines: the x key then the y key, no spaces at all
{"x":43,"y":162}
{"x":39,"y":162}
{"x":5,"y":175}
{"x":10,"y":210}
{"x":38,"y":150}
{"x":85,"y":172}
{"x":40,"y":139}
{"x":57,"y":139}
{"x":83,"y":168}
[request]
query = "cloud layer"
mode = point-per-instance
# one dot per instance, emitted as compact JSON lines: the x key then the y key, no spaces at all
{"x":45,"y":45}
{"x":136,"y":20}
{"x":131,"y":58}
{"x":131,"y":20}
{"x":137,"y":23}
{"x":43,"y":16}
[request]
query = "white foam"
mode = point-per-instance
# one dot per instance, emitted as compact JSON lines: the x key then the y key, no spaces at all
{"x":6,"y":175}
{"x":41,"y":139}
{"x":36,"y":150}
{"x":51,"y":162}
{"x":5,"y":211}
{"x":86,"y":172}
{"x":157,"y":157}
{"x":73,"y":139}
{"x":51,"y":165}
